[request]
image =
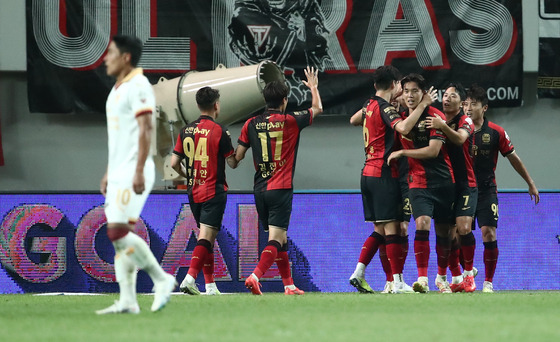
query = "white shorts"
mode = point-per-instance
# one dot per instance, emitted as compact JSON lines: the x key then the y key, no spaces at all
{"x":122,"y":205}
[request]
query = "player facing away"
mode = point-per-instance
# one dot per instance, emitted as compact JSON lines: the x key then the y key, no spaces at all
{"x":274,"y":137}
{"x":381,"y":193}
{"x":130,"y":175}
{"x":489,"y":140}
{"x":431,"y":182}
{"x":459,"y":130}
{"x":206,"y":146}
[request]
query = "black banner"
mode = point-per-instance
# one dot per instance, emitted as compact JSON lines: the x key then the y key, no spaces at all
{"x":548,"y":81}
{"x":466,"y":41}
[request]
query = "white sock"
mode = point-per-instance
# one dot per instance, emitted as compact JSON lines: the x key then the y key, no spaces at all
{"x":423,"y":279}
{"x":441,"y":278}
{"x":457,"y":279}
{"x":360,"y":271}
{"x":210,"y":286}
{"x":291,"y":287}
{"x":139,"y":252}
{"x":190,"y":279}
{"x":468,"y":273}
{"x":254,"y":276}
{"x":397,"y":278}
{"x":125,"y":272}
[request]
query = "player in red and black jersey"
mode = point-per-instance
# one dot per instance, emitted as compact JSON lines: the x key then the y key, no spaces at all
{"x":489,"y":140}
{"x":274,"y":137}
{"x":459,"y":130}
{"x":380,"y":188}
{"x":430,"y":179}
{"x":206,"y":146}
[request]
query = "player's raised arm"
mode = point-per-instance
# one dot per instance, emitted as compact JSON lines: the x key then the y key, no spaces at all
{"x":312,"y":83}
{"x":404,"y":127}
{"x":357,"y":118}
{"x":518,"y":165}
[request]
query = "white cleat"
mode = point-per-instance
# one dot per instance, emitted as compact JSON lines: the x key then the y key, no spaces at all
{"x":443,"y":286}
{"x":212,"y":290}
{"x":189,"y":287}
{"x":421,"y":286}
{"x":487,"y":287}
{"x":388,"y":287}
{"x":402,"y":287}
{"x":162,"y":292}
{"x":118,"y":308}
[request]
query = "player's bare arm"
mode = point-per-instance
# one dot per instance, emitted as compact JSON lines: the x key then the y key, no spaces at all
{"x":404,"y":127}
{"x":456,"y":137}
{"x":232,"y":161}
{"x":178,"y":166}
{"x":103,"y":185}
{"x":429,"y":152}
{"x":240,"y":153}
{"x":518,"y":165}
{"x":357,"y":118}
{"x":144,"y":137}
{"x":312,"y":83}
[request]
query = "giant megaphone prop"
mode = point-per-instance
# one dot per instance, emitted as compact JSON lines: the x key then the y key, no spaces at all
{"x":240,"y":95}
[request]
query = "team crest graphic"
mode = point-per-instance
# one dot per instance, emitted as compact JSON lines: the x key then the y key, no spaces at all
{"x":260,"y":34}
{"x":486,"y":138}
{"x":422,"y":126}
{"x":453,"y":126}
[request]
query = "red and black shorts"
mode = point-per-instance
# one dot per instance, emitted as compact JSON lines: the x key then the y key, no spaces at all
{"x":466,"y":199}
{"x":274,"y":207}
{"x":487,"y":208}
{"x":210,"y":212}
{"x":381,"y":198}
{"x":434,"y":202}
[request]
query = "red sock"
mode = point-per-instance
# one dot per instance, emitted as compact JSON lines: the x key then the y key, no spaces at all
{"x":454,"y":265}
{"x":490,"y":259}
{"x":404,"y":252}
{"x":443,"y":249}
{"x":370,"y":248}
{"x":468,"y":244}
{"x":208,"y":269}
{"x":422,"y":251}
{"x":385,"y":262}
{"x":283,"y":262}
{"x":199,"y":255}
{"x":268,"y":256}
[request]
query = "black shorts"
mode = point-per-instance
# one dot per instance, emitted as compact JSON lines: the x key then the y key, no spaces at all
{"x":466,"y":199}
{"x":381,"y":198}
{"x":274,"y":207}
{"x":406,"y":207}
{"x":210,"y":212}
{"x":434,"y":202}
{"x":487,"y":209}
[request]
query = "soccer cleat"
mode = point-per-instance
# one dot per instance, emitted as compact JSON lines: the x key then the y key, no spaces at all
{"x":457,"y":287}
{"x":443,"y":287}
{"x":421,"y":286}
{"x":118,"y":308}
{"x":162,"y":292}
{"x":189,"y":287}
{"x":402,"y":287}
{"x":212,"y":290}
{"x":487,"y":287}
{"x":253,"y":285}
{"x":361,"y":285}
{"x":469,"y":284}
{"x":475,"y":271}
{"x":295,"y":291}
{"x":389,"y":285}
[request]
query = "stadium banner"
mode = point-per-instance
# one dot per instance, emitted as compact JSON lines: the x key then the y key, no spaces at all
{"x":51,"y":243}
{"x":548,"y":80}
{"x":445,"y":40}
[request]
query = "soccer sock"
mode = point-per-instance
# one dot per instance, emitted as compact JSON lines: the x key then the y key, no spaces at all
{"x":199,"y":256}
{"x":283,"y":262}
{"x":268,"y":256}
{"x":394,"y":252}
{"x":454,"y":265}
{"x":468,"y":244}
{"x":125,"y":272}
{"x":490,"y":259}
{"x":139,"y":252}
{"x":385,"y":263}
{"x":208,"y":268}
{"x":422,"y":251}
{"x":370,"y":247}
{"x":443,"y":247}
{"x":404,"y":251}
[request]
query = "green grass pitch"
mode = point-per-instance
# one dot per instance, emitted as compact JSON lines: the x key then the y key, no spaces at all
{"x":502,"y":316}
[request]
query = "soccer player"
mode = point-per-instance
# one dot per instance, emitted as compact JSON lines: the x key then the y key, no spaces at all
{"x":274,"y":137}
{"x":130,"y":175}
{"x":459,"y":130}
{"x":430,"y":179}
{"x":206,"y":145}
{"x":381,"y":193}
{"x":489,"y":139}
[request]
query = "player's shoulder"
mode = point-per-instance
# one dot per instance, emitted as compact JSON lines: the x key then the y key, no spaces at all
{"x":495,"y":127}
{"x":433,"y":111}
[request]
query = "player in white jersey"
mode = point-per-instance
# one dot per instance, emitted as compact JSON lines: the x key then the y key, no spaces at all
{"x":130,"y":175}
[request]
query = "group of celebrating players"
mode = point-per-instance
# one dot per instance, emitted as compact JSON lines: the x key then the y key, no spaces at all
{"x":447,"y":175}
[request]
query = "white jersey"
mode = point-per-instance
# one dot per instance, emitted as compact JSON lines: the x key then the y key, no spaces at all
{"x":129,"y":99}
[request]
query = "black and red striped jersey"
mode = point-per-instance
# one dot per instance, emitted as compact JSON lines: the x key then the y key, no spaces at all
{"x":205,"y":144}
{"x":461,"y":156}
{"x":488,"y":140}
{"x":378,"y":120}
{"x":427,"y":173}
{"x":274,"y":138}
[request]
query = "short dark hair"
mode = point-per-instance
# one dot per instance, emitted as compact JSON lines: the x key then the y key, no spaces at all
{"x":274,"y":93}
{"x":416,"y":78}
{"x":478,"y":94}
{"x":131,"y":45}
{"x":206,"y":97}
{"x":459,"y":89}
{"x":384,"y":77}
